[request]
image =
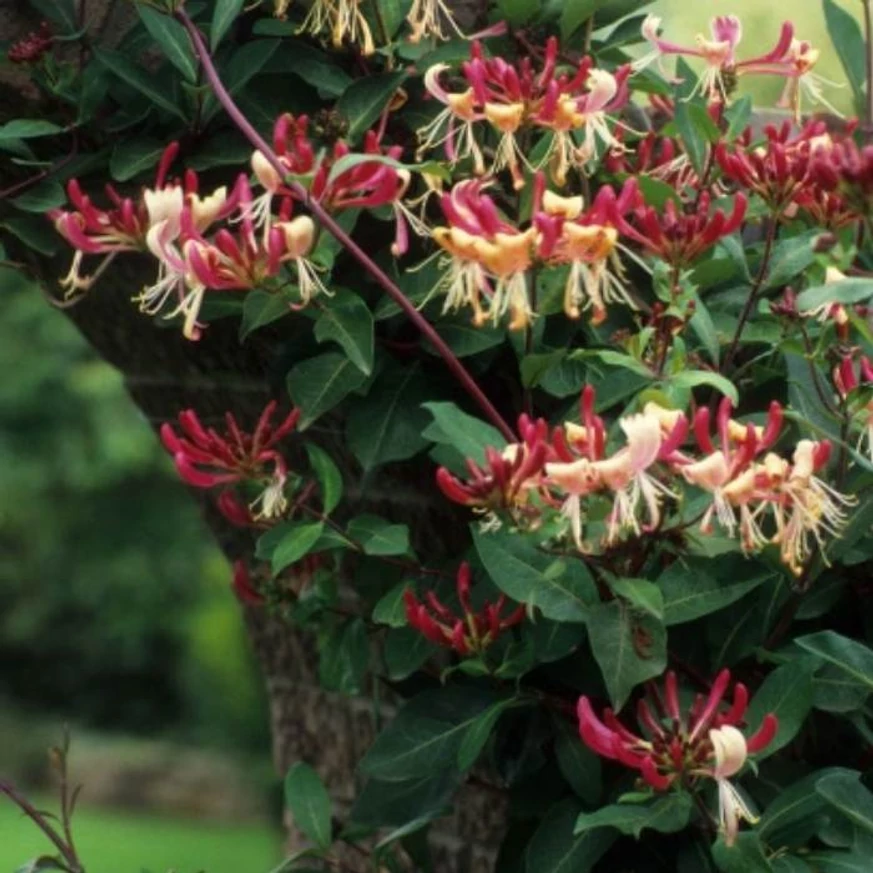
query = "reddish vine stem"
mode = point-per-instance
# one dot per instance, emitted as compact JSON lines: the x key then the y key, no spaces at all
{"x":326,"y":220}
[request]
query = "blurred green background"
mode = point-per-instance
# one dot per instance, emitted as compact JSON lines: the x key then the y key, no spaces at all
{"x":116,"y":612}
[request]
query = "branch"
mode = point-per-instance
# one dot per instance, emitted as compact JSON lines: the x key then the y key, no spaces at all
{"x":327,"y":221}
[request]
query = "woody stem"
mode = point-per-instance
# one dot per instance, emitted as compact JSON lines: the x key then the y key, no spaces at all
{"x":326,"y":220}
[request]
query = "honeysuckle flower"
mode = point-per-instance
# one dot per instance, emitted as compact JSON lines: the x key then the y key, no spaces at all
{"x":679,"y":238}
{"x":706,"y":742}
{"x":432,"y":18}
{"x":344,"y":20}
{"x":660,"y":157}
{"x":848,"y":378}
{"x":30,"y":48}
{"x":243,"y":587}
{"x":299,"y":236}
{"x":206,"y":459}
{"x":469,"y":633}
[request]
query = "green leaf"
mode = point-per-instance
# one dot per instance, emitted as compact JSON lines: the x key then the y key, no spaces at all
{"x":577,"y":763}
{"x":387,"y":424}
{"x":391,"y":609}
{"x":453,"y":427}
{"x":836,"y":861}
{"x":137,"y":78}
{"x":28,"y":128}
{"x":379,"y":537}
{"x":345,"y":656}
{"x":364,"y":100}
{"x":688,"y":122}
{"x":223,"y":15}
{"x":738,"y":115}
{"x":746,"y":855}
{"x":640,"y":593}
{"x":261,"y":308}
{"x":172,"y":38}
{"x":387,"y":804}
{"x":845,"y":33}
{"x":405,"y":651}
{"x":313,"y":66}
{"x":846,"y":794}
{"x":848,"y":292}
{"x":554,"y":848}
{"x":667,"y":815}
{"x":427,"y":734}
{"x":518,"y":12}
{"x":849,"y":656}
{"x":48,"y":194}
{"x":318,"y":384}
{"x":787,"y":693}
{"x":694,"y":378}
{"x":562,"y":588}
{"x":618,"y":359}
{"x":628,"y":648}
{"x":575,"y":13}
{"x":347,"y":321}
{"x":329,"y":477}
{"x":132,"y":157}
{"x":690,"y":591}
{"x":703,"y":325}
{"x":245,"y":63}
{"x":479,"y":732}
{"x":309,"y":803}
{"x":61,"y":11}
{"x":790,"y":258}
{"x":296,"y":542}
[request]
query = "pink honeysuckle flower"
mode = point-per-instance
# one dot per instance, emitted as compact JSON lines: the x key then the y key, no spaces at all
{"x":432,"y":18}
{"x":343,"y":20}
{"x":471,"y":632}
{"x":707,"y":742}
{"x":206,"y":459}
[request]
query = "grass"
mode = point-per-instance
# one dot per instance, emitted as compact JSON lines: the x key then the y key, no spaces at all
{"x":115,"y":842}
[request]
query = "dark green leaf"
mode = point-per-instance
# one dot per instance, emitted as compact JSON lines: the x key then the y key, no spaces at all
{"x":387,"y":424}
{"x":790,"y":258}
{"x":628,"y":648}
{"x":61,"y":11}
{"x":479,"y":732}
{"x":28,"y":128}
{"x":746,"y":855}
{"x":690,"y":591}
{"x":694,"y":378}
{"x":845,"y":33}
{"x":172,"y":38}
{"x":137,"y":78}
{"x":835,"y":861}
{"x":575,"y":13}
{"x":345,"y":656}
{"x":132,"y":157}
{"x":347,"y":321}
{"x":223,"y":15}
{"x":453,"y":427}
{"x":517,"y":12}
{"x":318,"y":384}
{"x":640,"y":593}
{"x":578,"y":764}
{"x":561,"y":587}
{"x":427,"y":734}
{"x":387,"y":804}
{"x":405,"y":651}
{"x":364,"y":100}
{"x":667,"y":815}
{"x":297,"y":542}
{"x":48,"y":194}
{"x":261,"y":308}
{"x":849,"y":656}
{"x":846,"y":794}
{"x":391,"y":609}
{"x":738,"y":115}
{"x":554,"y":848}
{"x":379,"y":537}
{"x":313,"y":66}
{"x":787,"y":693}
{"x":308,"y":801}
{"x":329,"y":477}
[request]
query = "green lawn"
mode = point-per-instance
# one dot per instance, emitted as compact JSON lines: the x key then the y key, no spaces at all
{"x":111,"y":842}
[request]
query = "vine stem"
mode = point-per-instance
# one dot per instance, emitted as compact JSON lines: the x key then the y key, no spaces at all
{"x":753,"y":294}
{"x":327,"y":221}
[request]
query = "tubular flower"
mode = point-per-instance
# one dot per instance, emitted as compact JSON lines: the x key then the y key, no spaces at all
{"x":487,"y":257}
{"x":588,"y":242}
{"x":429,"y":17}
{"x":706,"y":742}
{"x":509,"y":97}
{"x":469,"y":633}
{"x":848,"y":379}
{"x":790,"y":59}
{"x":344,"y":20}
{"x":660,"y":157}
{"x":506,"y":482}
{"x":679,"y":237}
{"x":243,"y":587}
{"x":205,"y":458}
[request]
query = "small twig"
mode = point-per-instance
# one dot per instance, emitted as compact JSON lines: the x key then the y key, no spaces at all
{"x":326,"y":219}
{"x":772,"y":228}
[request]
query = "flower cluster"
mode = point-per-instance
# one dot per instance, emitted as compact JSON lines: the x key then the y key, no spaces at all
{"x":849,"y":376}
{"x":505,"y":99}
{"x":208,"y":459}
{"x":488,"y":258}
{"x":469,"y":633}
{"x":790,"y":59}
{"x":29,"y":49}
{"x":754,"y":494}
{"x":706,"y":742}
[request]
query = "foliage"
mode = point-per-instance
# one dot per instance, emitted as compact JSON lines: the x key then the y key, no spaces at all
{"x":480,"y":232}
